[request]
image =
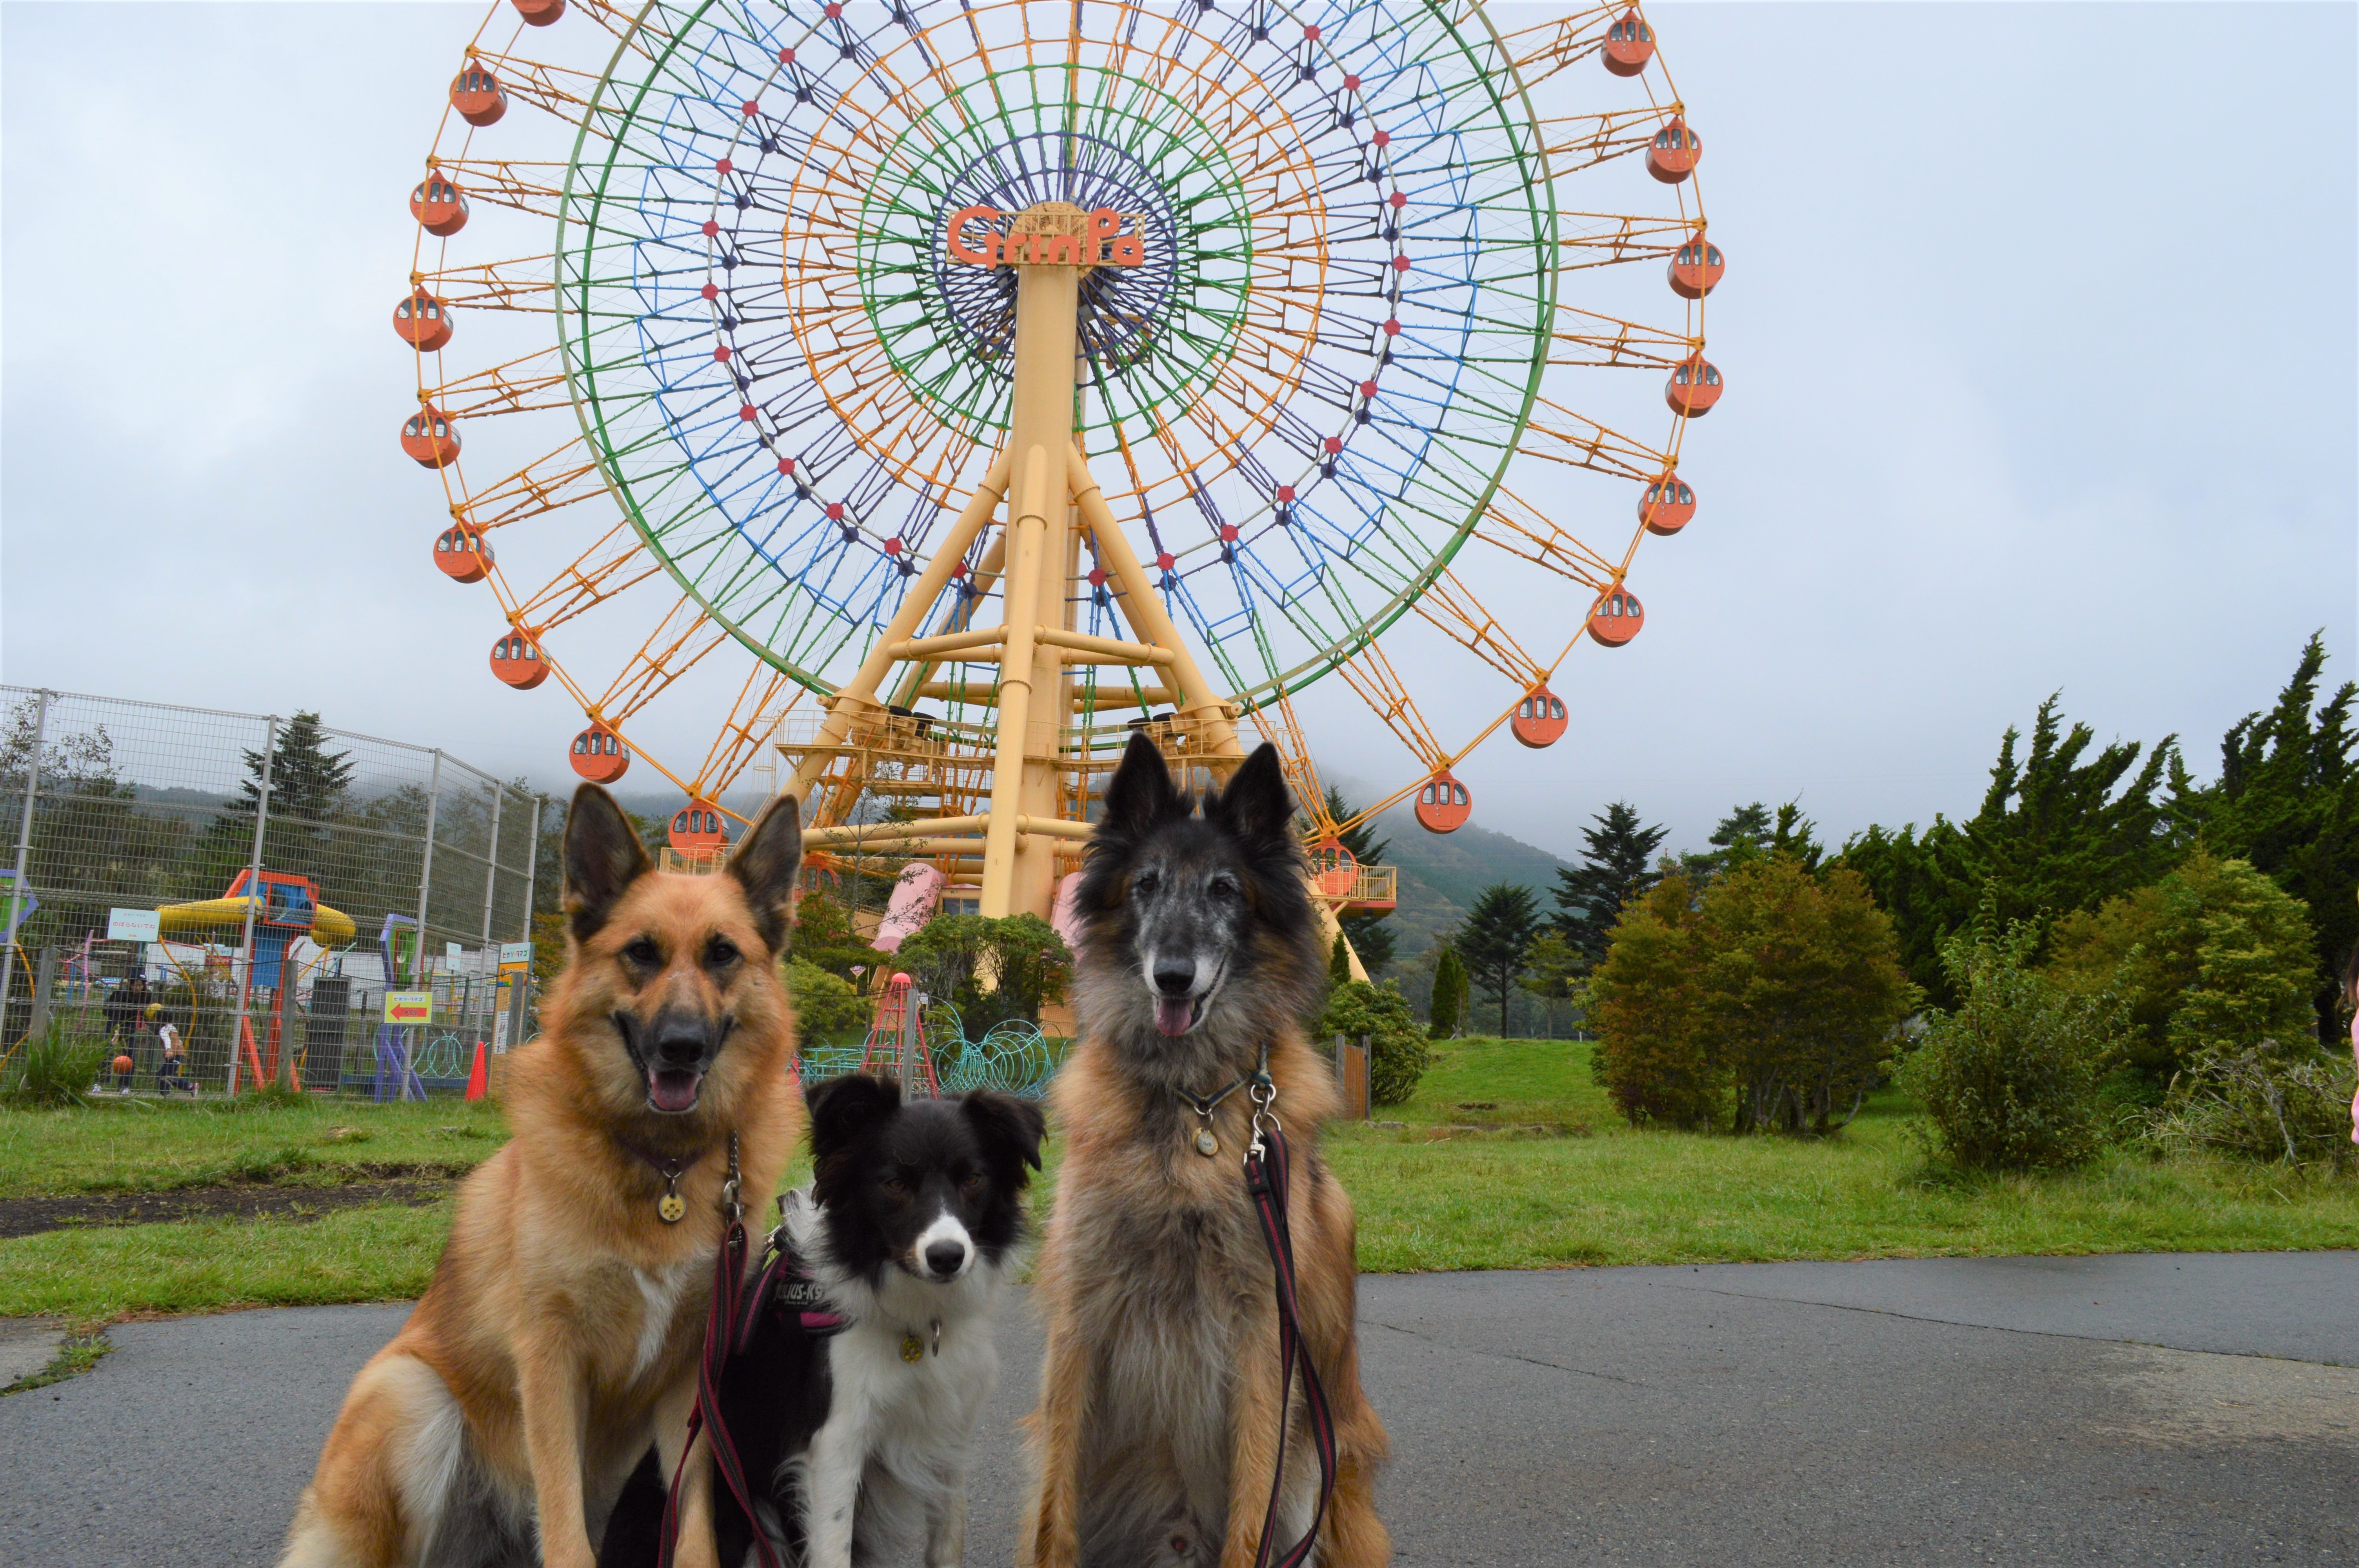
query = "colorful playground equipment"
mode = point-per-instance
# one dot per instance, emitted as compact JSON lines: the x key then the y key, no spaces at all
{"x":288,"y":908}
{"x":1119,"y":370}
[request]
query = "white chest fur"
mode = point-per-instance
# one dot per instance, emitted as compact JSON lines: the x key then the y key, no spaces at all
{"x":660,"y":1293}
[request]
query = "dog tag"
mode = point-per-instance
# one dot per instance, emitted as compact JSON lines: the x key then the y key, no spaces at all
{"x":1206,"y":1144}
{"x":671,"y":1209}
{"x":912,"y":1347}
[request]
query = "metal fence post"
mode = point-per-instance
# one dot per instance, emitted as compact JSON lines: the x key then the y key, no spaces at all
{"x":417,"y":973}
{"x":24,"y":855}
{"x":491,"y":867}
{"x":252,"y":903}
{"x":531,"y":865}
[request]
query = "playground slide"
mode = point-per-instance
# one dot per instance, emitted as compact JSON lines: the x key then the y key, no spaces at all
{"x":330,"y":927}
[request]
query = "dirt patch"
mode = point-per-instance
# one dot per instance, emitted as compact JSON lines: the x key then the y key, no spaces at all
{"x":240,"y":1200}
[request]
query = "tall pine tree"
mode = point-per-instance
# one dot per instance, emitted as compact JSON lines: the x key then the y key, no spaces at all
{"x":1617,"y":865}
{"x":2287,"y":801}
{"x":1498,"y":931}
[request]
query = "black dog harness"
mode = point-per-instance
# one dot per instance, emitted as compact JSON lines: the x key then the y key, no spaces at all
{"x":785,"y":1286}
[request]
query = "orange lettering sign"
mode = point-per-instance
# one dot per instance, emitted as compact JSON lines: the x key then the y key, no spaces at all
{"x":1106,"y":245}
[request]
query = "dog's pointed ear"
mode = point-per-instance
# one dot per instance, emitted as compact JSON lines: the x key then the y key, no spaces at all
{"x":1142,"y":793}
{"x":765,"y":863}
{"x":603,"y":857}
{"x":1256,"y":805}
{"x":1010,"y":1132}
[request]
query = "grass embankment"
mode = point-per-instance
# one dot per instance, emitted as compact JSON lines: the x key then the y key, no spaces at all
{"x":1508,"y":1157}
{"x":1506,"y":1197}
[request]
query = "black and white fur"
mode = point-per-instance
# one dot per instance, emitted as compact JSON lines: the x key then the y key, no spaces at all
{"x":914,"y":1214}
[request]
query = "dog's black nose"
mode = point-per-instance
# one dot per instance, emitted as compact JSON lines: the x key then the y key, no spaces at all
{"x":680,"y":1042}
{"x":943,"y":1258}
{"x":1173,"y":979}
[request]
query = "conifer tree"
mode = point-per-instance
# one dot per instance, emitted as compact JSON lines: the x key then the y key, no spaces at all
{"x":1617,"y":865}
{"x":1498,"y":931}
{"x":1449,"y":1004}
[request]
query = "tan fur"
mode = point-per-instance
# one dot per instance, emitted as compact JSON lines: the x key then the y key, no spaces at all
{"x":537,"y":1323}
{"x":1156,"y":1286}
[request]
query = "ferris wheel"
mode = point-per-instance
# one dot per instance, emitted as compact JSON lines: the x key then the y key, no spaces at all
{"x":717,"y":310}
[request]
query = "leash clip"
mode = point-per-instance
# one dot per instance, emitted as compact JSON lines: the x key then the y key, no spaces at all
{"x":1263,"y":1094}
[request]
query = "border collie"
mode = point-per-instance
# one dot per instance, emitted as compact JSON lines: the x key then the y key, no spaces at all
{"x":863,"y":1428}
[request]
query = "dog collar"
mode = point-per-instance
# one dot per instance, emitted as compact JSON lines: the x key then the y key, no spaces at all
{"x":1208,"y":1144}
{"x":671,"y":1209}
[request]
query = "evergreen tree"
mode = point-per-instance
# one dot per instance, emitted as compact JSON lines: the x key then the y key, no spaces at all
{"x":1371,"y":935}
{"x":1447,"y":1007}
{"x":1616,"y":866}
{"x":2055,"y":833}
{"x":307,"y":788}
{"x":1497,"y":934}
{"x":2287,"y":801}
{"x":1338,"y":963}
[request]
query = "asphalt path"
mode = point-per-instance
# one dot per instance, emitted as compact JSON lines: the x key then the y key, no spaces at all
{"x":2154,"y":1410}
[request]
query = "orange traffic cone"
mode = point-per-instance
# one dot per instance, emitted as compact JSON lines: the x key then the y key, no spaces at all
{"x":476,"y":1076}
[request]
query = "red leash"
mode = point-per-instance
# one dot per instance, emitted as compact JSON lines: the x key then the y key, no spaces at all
{"x":1268,"y":1177}
{"x":720,"y":1336}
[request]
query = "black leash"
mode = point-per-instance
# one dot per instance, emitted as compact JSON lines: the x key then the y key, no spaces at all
{"x":1268,"y":1180}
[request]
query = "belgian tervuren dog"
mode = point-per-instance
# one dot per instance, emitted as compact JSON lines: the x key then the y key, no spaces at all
{"x":1158,"y":1431}
{"x":560,"y":1332}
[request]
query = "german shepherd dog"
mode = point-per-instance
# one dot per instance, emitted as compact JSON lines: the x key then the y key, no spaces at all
{"x":1156,"y":1438}
{"x":560,"y":1332}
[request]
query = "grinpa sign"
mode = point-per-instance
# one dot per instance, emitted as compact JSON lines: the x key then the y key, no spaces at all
{"x":1051,"y":235}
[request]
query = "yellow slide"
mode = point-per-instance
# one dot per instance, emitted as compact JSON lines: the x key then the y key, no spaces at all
{"x":330,"y":927}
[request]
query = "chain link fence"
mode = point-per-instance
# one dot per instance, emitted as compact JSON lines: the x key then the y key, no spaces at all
{"x":138,"y":836}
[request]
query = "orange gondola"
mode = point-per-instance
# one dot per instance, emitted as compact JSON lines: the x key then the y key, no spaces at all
{"x":422,"y":322}
{"x":1695,"y":267}
{"x":1630,"y":45}
{"x":539,"y":12}
{"x":598,"y":755}
{"x":1673,"y":154}
{"x":1442,"y":803}
{"x":1667,"y":506}
{"x":1616,"y":616}
{"x":1693,"y":388}
{"x":438,"y":205}
{"x":429,"y":437}
{"x":462,"y":554}
{"x":1539,"y":719}
{"x":516,"y":661}
{"x":478,"y":96}
{"x":696,"y":831}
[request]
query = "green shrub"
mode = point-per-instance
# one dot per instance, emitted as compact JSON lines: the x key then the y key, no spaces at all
{"x":1398,"y":1053}
{"x":2263,"y":1104}
{"x":828,"y":1010}
{"x":1654,"y":1056}
{"x":993,"y":970}
{"x":2010,"y":1078}
{"x":57,"y":1069}
{"x":2214,"y":954}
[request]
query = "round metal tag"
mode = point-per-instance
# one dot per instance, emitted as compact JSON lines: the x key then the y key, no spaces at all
{"x":672,"y":1209}
{"x":1206,"y":1144}
{"x":911,"y":1348}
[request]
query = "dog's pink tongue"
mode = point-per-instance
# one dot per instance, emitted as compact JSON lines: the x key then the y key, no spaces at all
{"x":672,"y":1091}
{"x":1172,"y":1013}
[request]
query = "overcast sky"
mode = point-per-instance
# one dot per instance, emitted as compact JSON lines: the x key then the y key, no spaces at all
{"x":2039,"y":329}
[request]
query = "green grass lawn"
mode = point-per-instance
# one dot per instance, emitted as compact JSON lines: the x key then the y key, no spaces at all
{"x":152,"y":1146}
{"x":1431,"y":1194}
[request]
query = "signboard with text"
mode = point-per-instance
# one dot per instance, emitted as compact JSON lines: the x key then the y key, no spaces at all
{"x":134,"y":925}
{"x":408,"y":1007}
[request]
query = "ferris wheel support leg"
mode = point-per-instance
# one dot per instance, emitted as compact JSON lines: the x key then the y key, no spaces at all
{"x":1149,"y":621}
{"x":859,"y":693}
{"x":1016,"y":676}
